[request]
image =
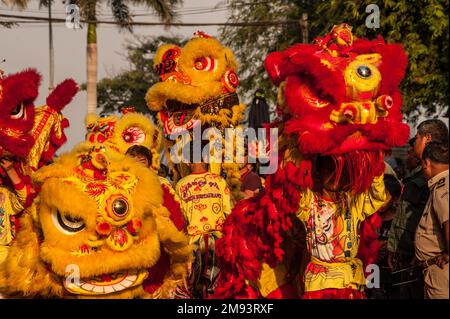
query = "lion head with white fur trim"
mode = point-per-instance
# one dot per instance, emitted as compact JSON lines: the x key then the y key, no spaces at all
{"x":198,"y":85}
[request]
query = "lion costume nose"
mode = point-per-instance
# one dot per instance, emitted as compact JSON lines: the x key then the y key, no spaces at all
{"x":362,"y":112}
{"x":119,"y":239}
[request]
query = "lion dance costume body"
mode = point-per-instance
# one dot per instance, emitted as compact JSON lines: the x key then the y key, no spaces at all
{"x":198,"y":87}
{"x":102,"y":226}
{"x":95,"y":232}
{"x":341,"y":102}
{"x":29,"y":137}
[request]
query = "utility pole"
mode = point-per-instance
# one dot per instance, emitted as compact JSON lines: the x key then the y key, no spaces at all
{"x":51,"y":51}
{"x":304,"y":27}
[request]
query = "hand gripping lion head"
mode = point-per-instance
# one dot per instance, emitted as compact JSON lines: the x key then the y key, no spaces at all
{"x":98,"y":229}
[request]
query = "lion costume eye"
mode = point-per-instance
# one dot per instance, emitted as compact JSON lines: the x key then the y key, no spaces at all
{"x":18,"y":112}
{"x":133,"y":135}
{"x":67,"y":224}
{"x":120,"y":207}
{"x":364,"y":72}
{"x":205,"y":64}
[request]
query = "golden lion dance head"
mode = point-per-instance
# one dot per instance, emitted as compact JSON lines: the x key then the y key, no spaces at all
{"x":120,"y":133}
{"x":98,"y":230}
{"x":198,"y":85}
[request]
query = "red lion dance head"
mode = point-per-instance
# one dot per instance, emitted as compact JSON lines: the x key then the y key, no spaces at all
{"x":17,"y":95}
{"x":341,"y":106}
{"x":29,"y":134}
{"x":342,"y":99}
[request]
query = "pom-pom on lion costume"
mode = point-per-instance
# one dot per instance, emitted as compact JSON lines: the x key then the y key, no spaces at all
{"x":341,"y":105}
{"x":32,"y":135}
{"x":198,"y":87}
{"x":95,"y":232}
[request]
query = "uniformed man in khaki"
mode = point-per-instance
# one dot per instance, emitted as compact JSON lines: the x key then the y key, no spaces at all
{"x":432,"y":234}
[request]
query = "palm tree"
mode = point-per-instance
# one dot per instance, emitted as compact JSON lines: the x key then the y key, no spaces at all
{"x":121,"y":13}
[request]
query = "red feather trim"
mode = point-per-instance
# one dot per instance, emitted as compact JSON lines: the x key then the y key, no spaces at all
{"x":286,"y":291}
{"x":333,"y":293}
{"x":157,"y":273}
{"x":369,"y":244}
{"x":62,"y":94}
{"x":174,"y":208}
{"x":254,"y":232}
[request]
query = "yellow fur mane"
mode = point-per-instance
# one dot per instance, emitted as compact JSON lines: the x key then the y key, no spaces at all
{"x":40,"y":255}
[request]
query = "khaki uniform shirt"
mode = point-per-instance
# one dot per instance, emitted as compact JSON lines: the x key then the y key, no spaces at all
{"x":430,"y":237}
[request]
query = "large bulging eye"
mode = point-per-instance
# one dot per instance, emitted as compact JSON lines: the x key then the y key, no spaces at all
{"x":133,"y":135}
{"x":364,"y":72}
{"x":205,"y":64}
{"x":120,"y":207}
{"x":18,"y":112}
{"x":67,"y":224}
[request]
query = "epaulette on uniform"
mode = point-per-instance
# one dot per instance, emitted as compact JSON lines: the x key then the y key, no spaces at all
{"x":440,"y":183}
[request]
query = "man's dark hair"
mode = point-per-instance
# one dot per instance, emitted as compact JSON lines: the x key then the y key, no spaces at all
{"x":436,"y":128}
{"x":140,"y":150}
{"x":411,"y":142}
{"x":436,"y":152}
{"x":163,"y":171}
{"x":392,"y":185}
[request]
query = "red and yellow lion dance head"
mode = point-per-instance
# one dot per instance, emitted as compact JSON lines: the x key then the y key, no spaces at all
{"x":341,"y":111}
{"x":341,"y":98}
{"x":32,"y":134}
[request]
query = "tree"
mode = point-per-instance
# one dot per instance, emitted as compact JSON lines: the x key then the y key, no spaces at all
{"x":252,"y":44}
{"x":422,"y":26}
{"x":121,"y":14}
{"x":129,"y":87}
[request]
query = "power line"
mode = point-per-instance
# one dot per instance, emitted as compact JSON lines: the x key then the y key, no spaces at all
{"x":178,"y":24}
{"x":180,"y":11}
{"x":183,"y":14}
